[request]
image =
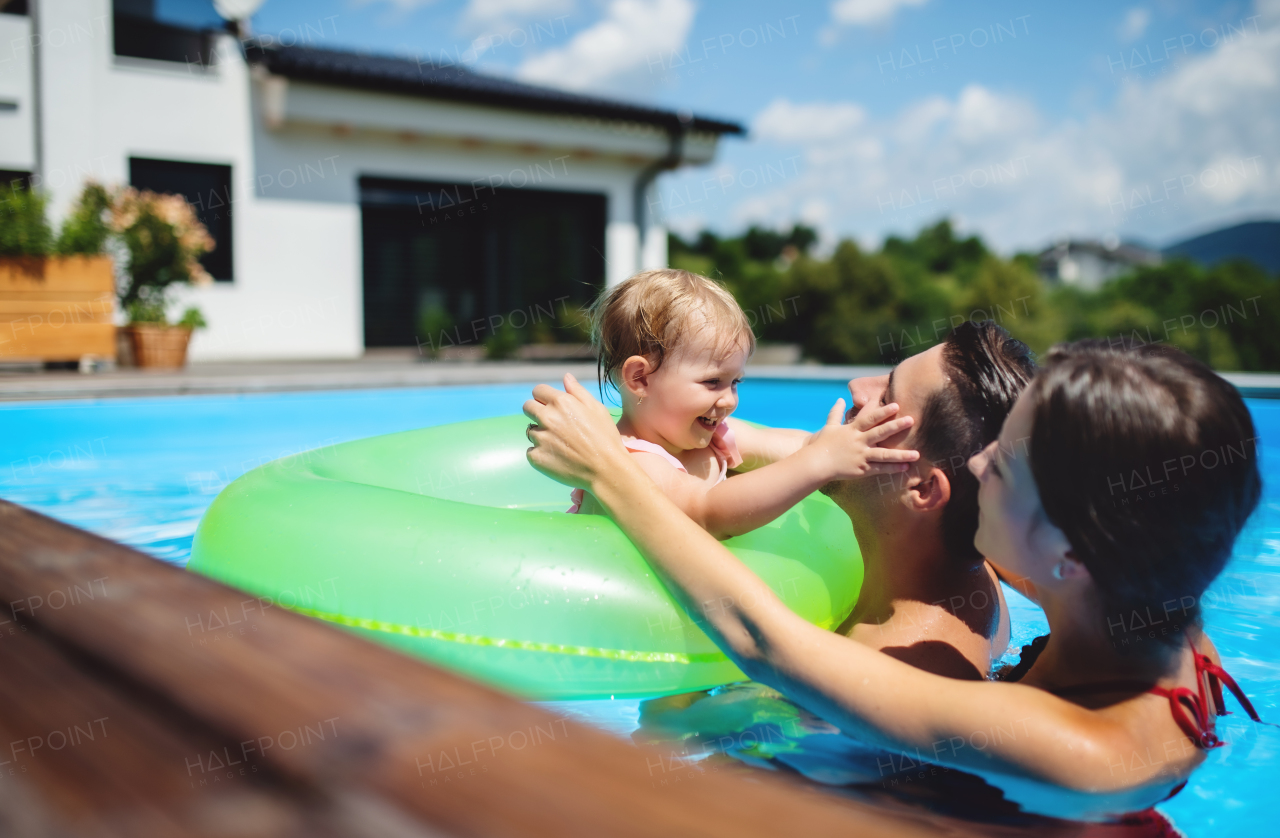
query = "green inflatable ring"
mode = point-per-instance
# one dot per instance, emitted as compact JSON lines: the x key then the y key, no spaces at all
{"x":445,"y":543}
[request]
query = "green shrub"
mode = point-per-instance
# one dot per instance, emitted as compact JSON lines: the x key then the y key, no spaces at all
{"x":503,"y":343}
{"x":435,"y":327}
{"x":859,"y":307}
{"x":24,"y":229}
{"x":149,"y":308}
{"x":87,"y":228}
{"x":192,"y":318}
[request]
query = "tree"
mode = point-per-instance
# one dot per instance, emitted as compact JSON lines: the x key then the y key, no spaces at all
{"x":878,"y":307}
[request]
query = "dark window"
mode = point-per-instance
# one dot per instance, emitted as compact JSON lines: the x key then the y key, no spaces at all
{"x":15,"y":179}
{"x":181,"y":31}
{"x":449,"y":264}
{"x":14,"y":7}
{"x":207,"y":188}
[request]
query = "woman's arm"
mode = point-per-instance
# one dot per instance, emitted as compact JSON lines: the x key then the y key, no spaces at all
{"x":993,"y":728}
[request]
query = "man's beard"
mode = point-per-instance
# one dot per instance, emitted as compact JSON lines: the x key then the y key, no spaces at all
{"x":867,"y":495}
{"x":844,"y":492}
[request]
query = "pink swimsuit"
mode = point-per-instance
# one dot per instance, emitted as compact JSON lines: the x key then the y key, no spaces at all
{"x":722,"y":443}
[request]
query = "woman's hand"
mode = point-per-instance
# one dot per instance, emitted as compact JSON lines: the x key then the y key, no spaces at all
{"x":574,"y":436}
{"x":850,"y":451}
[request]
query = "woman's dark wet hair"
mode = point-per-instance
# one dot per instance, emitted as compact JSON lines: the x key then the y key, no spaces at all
{"x":987,"y":369}
{"x":1148,"y":463}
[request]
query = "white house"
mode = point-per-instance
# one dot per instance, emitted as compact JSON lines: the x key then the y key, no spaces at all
{"x":1091,"y":264}
{"x":353,"y":197}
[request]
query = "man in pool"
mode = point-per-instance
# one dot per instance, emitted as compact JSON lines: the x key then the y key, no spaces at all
{"x":928,"y":597}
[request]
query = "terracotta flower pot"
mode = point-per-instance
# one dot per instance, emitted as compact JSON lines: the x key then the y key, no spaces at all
{"x":159,"y":347}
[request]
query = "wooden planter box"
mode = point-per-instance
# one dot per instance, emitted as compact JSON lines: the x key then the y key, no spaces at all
{"x":57,"y":308}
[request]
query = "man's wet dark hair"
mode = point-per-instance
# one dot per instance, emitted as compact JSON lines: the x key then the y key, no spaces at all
{"x":1148,"y":463}
{"x":987,"y":369}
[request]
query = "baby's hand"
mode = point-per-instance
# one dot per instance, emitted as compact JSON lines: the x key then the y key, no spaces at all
{"x":850,"y":450}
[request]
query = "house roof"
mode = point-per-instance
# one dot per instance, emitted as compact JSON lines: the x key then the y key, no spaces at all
{"x":1123,"y":252}
{"x":455,"y":82}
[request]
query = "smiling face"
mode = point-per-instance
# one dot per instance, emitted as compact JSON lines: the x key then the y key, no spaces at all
{"x":1013,"y":531}
{"x":689,"y":395}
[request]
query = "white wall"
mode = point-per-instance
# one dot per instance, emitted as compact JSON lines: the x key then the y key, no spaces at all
{"x":296,"y":153}
{"x":297,"y":292}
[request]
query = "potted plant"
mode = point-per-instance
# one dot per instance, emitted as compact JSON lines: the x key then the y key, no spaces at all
{"x":57,"y":294}
{"x":163,"y":241}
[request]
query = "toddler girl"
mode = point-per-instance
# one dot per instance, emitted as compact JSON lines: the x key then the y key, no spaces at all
{"x":675,"y":345}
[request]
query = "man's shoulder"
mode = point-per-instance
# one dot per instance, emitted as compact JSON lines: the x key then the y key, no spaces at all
{"x":956,"y":636}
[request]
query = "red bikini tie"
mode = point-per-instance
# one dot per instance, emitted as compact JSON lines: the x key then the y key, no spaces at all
{"x":1199,"y":728}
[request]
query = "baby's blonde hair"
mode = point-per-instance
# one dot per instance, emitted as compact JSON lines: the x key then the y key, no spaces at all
{"x":651,"y":313}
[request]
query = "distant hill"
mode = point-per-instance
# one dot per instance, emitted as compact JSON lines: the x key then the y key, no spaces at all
{"x":1257,"y":241}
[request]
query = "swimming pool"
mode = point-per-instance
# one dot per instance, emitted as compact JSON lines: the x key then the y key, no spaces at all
{"x":142,"y":471}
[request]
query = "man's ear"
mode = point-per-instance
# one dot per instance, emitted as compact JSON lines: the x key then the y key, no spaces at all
{"x":928,"y":491}
{"x":634,"y":375}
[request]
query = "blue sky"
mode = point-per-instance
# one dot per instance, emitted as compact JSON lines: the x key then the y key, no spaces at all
{"x":1023,"y":121}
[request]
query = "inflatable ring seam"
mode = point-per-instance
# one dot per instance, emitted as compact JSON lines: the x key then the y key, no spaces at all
{"x":524,"y":645}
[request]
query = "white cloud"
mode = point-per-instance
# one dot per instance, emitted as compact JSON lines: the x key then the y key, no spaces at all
{"x":981,"y":117}
{"x":1187,"y":149}
{"x":1134,"y":24}
{"x":493,"y":15}
{"x":785,"y":122}
{"x":688,"y":226}
{"x":624,"y":45}
{"x":868,"y":12}
{"x":923,"y":117}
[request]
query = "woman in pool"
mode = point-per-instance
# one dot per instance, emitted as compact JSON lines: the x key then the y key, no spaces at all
{"x":675,"y":345}
{"x":1116,"y":711}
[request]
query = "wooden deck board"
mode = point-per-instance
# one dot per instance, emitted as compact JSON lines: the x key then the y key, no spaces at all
{"x":109,"y":762}
{"x":95,"y":629}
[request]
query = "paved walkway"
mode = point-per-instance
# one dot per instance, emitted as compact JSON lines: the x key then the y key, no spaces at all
{"x":389,"y":370}
{"x":374,"y":371}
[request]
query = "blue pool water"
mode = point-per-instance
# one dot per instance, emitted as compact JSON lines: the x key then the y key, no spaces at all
{"x":142,"y":471}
